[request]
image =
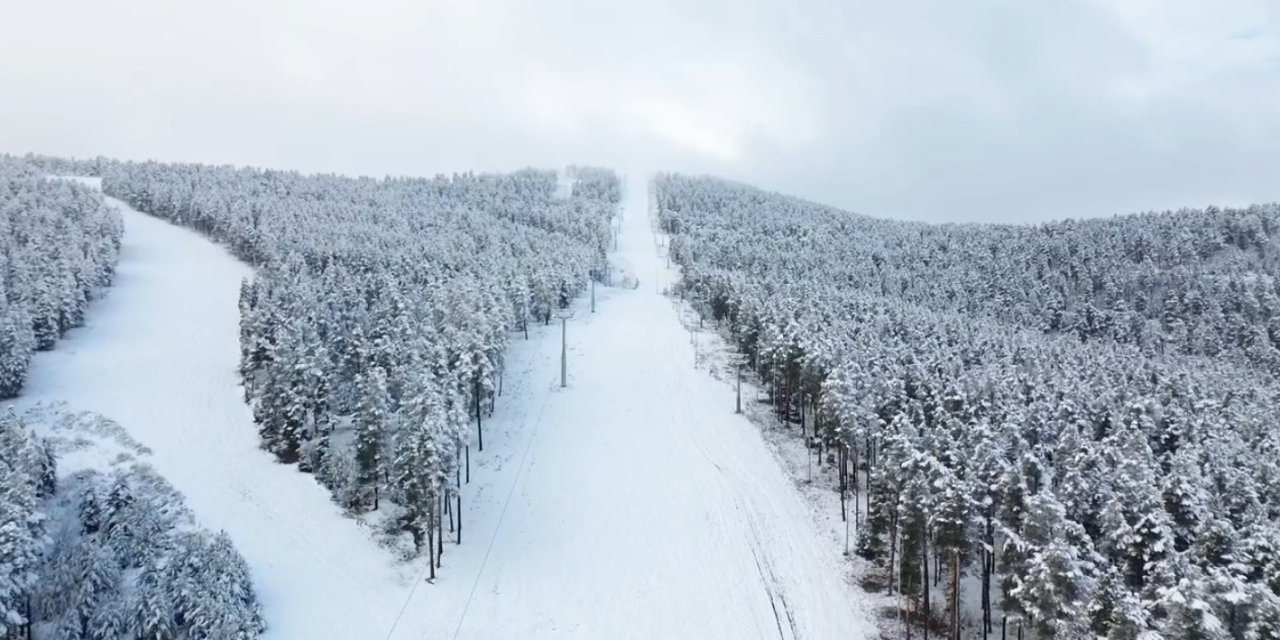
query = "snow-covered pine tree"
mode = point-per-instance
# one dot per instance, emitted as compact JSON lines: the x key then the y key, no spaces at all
{"x":372,"y":421}
{"x":22,"y":523}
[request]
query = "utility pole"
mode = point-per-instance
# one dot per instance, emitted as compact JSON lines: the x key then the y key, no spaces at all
{"x":697,"y":355}
{"x":737,"y":360}
{"x":739,"y":399}
{"x":564,"y":315}
{"x":808,"y":457}
{"x":846,"y":536}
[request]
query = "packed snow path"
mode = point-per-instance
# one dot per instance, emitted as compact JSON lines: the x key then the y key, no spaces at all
{"x":632,"y":504}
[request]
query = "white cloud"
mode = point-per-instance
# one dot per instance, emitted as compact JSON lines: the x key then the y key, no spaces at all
{"x":919,"y":108}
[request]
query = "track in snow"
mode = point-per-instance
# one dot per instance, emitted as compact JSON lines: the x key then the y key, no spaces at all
{"x":633,"y":504}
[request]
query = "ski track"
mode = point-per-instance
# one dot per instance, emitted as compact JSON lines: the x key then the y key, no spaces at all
{"x":633,"y":504}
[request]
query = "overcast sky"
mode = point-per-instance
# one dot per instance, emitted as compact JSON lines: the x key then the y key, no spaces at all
{"x":938,"y":110}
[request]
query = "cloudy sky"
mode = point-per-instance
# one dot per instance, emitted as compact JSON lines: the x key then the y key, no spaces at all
{"x":939,"y":110}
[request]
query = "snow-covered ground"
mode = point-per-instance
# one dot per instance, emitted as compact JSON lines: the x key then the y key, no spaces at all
{"x":632,"y":504}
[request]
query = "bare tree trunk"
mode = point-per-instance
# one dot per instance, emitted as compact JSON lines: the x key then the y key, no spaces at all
{"x":802,"y":428}
{"x":955,"y":593}
{"x":893,"y":547}
{"x":479,"y":425}
{"x":844,"y":457}
{"x":857,"y":500}
{"x":439,"y":531}
{"x":431,"y":547}
{"x":924,"y":561}
{"x":986,"y":593}
{"x":907,"y":610}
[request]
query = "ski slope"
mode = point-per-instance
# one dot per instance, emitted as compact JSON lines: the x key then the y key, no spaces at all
{"x":641,"y":505}
{"x":159,"y":356}
{"x":632,"y":504}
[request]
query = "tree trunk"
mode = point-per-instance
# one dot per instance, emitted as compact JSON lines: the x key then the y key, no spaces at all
{"x":893,"y":547}
{"x":857,"y":500}
{"x":439,"y":531}
{"x":802,"y":428}
{"x":955,"y":593}
{"x":987,"y":565}
{"x":907,"y":611}
{"x":431,"y":547}
{"x":924,"y":558}
{"x":844,"y":511}
{"x":479,"y":425}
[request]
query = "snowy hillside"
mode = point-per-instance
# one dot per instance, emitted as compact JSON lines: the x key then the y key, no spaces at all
{"x":631,"y":504}
{"x":158,"y":356}
{"x":1069,"y":426}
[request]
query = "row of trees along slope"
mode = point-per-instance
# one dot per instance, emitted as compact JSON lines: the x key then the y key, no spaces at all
{"x":58,"y":246}
{"x":372,"y":338}
{"x":1079,"y":417}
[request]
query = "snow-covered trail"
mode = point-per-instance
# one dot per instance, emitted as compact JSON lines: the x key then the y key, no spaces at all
{"x":158,"y":355}
{"x":642,"y":506}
